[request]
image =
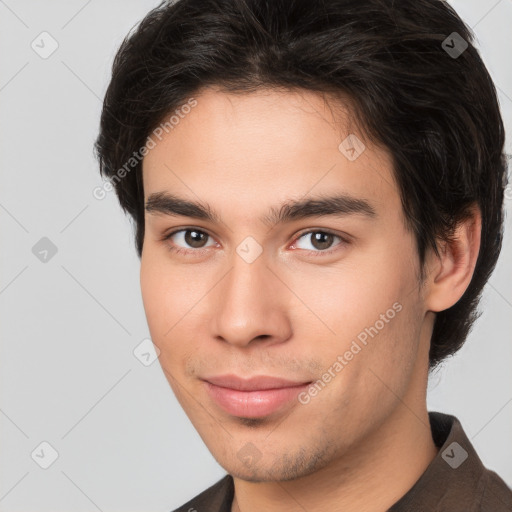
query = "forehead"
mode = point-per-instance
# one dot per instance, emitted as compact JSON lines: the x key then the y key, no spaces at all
{"x":266,"y":147}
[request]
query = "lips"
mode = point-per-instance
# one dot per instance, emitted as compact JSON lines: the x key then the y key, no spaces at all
{"x":252,"y":384}
{"x":254,"y":397}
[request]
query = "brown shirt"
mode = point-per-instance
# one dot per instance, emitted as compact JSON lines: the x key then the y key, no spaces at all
{"x":455,"y":481}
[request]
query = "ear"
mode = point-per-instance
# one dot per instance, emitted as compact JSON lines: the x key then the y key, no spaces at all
{"x":449,"y":275}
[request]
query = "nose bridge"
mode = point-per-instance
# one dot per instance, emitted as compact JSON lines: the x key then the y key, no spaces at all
{"x":248,"y":304}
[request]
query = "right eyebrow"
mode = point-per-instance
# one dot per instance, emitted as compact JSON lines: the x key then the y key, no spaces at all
{"x":164,"y":203}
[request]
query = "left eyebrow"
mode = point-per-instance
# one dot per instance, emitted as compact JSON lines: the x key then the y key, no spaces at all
{"x":340,"y":205}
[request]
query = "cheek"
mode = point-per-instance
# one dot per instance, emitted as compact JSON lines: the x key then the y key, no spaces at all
{"x":162,"y":287}
{"x":152,"y":291}
{"x":161,"y":299}
{"x":170,"y":295}
{"x":368,"y":315}
{"x":350,"y":297}
{"x":392,"y":340}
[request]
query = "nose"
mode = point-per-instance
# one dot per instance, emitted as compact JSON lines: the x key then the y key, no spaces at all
{"x":250,"y":305}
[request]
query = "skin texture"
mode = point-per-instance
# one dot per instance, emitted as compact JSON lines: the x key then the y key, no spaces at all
{"x":364,"y":439}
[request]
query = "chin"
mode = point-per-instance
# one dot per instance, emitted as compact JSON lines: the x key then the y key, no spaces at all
{"x":281,"y":468}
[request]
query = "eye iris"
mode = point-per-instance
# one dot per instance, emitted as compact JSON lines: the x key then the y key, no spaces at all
{"x":194,"y":238}
{"x":322,"y":240}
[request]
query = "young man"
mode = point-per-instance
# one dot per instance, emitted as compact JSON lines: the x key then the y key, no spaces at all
{"x":317,"y":191}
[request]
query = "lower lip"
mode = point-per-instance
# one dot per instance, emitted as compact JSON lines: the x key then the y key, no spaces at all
{"x":253,"y":404}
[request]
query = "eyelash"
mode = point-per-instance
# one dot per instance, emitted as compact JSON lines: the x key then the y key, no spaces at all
{"x":181,"y":250}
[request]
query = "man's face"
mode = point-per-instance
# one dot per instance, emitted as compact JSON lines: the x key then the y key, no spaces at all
{"x":327,"y":299}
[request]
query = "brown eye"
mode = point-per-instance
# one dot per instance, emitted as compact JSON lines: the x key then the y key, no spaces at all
{"x":187,"y":240}
{"x":319,"y":241}
{"x":195,"y":238}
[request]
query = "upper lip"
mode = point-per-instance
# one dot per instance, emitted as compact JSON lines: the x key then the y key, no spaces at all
{"x":258,"y":382}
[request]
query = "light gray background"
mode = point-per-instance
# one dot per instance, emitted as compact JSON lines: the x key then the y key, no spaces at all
{"x":70,"y":325}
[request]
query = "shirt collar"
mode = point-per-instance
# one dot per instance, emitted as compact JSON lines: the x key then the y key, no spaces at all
{"x":453,"y":478}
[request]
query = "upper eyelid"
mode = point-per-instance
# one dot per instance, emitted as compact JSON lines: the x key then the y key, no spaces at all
{"x":317,"y":230}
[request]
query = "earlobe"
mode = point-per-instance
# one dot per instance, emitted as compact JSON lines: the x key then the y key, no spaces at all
{"x":451,"y":273}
